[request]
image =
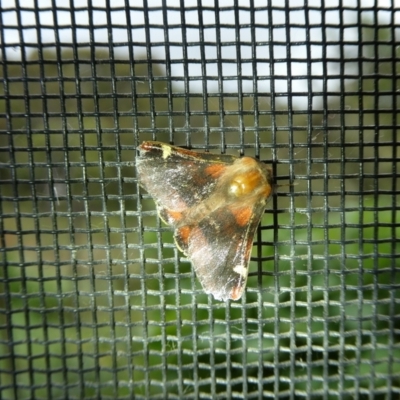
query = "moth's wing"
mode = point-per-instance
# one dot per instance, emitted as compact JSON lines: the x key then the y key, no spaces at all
{"x":219,"y":247}
{"x":177,"y":178}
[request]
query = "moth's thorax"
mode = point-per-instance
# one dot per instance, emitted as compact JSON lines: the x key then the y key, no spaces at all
{"x":248,"y":178}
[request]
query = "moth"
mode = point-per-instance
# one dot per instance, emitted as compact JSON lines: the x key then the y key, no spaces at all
{"x":214,"y":203}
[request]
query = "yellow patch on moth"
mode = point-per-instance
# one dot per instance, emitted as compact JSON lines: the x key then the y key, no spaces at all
{"x":166,"y":151}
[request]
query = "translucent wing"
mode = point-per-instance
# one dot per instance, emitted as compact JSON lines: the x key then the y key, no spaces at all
{"x":219,"y":247}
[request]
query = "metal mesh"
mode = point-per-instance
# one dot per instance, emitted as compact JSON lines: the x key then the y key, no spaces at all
{"x":95,"y":299}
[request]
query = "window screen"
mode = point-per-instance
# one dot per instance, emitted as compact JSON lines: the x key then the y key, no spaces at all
{"x":96,"y":300}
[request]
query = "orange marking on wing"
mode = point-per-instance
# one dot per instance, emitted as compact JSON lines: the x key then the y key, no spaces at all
{"x":175,"y":215}
{"x":184,"y":234}
{"x":242,"y":215}
{"x":215,"y":170}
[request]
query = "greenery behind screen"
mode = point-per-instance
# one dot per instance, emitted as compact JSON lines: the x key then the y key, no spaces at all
{"x":82,"y":300}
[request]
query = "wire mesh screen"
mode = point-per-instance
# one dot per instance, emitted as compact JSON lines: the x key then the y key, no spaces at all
{"x":97,"y":301}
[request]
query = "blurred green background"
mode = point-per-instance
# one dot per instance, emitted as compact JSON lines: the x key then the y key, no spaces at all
{"x":95,"y":299}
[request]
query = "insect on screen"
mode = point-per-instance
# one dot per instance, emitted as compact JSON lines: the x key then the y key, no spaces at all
{"x":293,"y":109}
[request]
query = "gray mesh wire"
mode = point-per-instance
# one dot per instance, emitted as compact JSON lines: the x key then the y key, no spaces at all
{"x":95,"y":299}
